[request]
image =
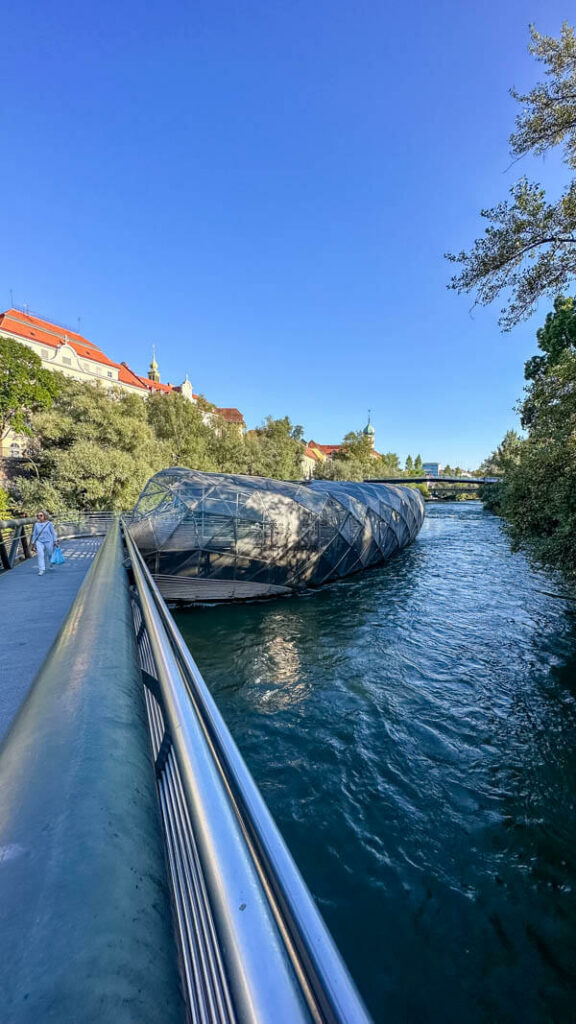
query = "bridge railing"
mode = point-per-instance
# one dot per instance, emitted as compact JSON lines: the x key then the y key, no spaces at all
{"x":15,"y":534}
{"x":254,"y":946}
{"x":14,"y":541}
{"x":85,"y":914}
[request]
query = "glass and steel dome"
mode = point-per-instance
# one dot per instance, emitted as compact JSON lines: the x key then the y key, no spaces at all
{"x":210,"y":536}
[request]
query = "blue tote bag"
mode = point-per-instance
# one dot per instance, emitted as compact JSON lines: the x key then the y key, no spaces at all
{"x":57,"y":557}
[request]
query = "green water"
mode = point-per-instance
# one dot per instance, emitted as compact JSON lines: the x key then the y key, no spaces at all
{"x":413,"y":732}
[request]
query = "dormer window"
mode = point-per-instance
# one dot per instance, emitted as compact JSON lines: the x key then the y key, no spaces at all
{"x":67,"y":361}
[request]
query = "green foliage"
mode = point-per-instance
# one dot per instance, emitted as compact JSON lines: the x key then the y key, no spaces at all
{"x":538,"y":495}
{"x":274,"y":449}
{"x":557,"y":335}
{"x":529,"y":247}
{"x":179,"y":424}
{"x":409,"y":465}
{"x":5,"y":504}
{"x":355,"y":458}
{"x":504,"y":458}
{"x":418,"y":466}
{"x":91,"y":451}
{"x":25,"y":388}
{"x":390,"y":465}
{"x":423,"y":488}
{"x":95,"y":449}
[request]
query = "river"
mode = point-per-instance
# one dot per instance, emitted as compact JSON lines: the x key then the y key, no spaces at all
{"x":413,"y":733}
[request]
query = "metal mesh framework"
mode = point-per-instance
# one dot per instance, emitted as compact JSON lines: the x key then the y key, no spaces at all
{"x":208,"y":536}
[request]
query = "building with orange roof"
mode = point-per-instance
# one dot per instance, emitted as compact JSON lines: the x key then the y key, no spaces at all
{"x":62,"y":349}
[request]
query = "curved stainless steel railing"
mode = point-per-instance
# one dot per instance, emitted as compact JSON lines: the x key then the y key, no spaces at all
{"x":15,"y":534}
{"x":254,"y":946}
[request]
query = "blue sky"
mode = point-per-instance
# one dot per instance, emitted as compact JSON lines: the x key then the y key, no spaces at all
{"x":264,"y":189}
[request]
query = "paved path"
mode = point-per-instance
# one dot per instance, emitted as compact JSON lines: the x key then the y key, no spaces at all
{"x":32,"y":610}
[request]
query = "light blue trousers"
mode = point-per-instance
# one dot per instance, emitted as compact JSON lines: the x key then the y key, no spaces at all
{"x":44,"y":555}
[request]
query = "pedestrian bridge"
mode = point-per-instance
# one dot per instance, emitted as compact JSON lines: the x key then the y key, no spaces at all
{"x":142,"y":878}
{"x":435,"y":480}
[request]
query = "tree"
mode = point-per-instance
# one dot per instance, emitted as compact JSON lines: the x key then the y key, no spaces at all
{"x":356,"y":456}
{"x":25,"y":387}
{"x":274,"y":450}
{"x":529,"y":246}
{"x":418,"y":466}
{"x":5,"y":504}
{"x":390,"y":465}
{"x":91,"y":451}
{"x":504,"y":457}
{"x":538,"y":495}
{"x":557,"y":336}
{"x":409,"y":465}
{"x":180,"y":425}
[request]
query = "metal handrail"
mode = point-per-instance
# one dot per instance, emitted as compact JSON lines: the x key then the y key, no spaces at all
{"x":282,"y":963}
{"x":82,"y":524}
{"x":86,"y":931}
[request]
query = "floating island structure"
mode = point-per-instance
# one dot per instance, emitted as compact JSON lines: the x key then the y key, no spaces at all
{"x":216,"y":537}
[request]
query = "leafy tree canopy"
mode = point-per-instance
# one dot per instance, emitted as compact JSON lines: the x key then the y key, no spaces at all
{"x":528,"y":249}
{"x":90,"y":451}
{"x":25,"y":387}
{"x":557,"y":335}
{"x":274,"y":449}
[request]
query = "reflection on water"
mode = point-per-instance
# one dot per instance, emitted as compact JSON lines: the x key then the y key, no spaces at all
{"x":413,"y":733}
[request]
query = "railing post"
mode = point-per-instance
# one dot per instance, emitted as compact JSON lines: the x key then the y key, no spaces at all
{"x":4,"y":554}
{"x":18,"y":531}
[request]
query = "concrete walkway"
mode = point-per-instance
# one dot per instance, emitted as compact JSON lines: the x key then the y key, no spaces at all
{"x":32,"y":610}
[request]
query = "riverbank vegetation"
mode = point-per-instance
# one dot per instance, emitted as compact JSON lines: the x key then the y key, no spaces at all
{"x":94,"y":449}
{"x":538,"y":493}
{"x":528,"y":252}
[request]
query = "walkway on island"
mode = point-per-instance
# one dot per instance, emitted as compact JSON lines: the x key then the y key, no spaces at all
{"x":32,"y":610}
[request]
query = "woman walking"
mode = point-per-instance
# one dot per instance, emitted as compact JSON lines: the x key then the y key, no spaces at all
{"x":44,"y":539}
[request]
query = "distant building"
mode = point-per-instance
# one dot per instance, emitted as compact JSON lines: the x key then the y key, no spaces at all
{"x":315,"y":453}
{"x":369,"y":431}
{"x":63,"y":349}
{"x":431,"y":468}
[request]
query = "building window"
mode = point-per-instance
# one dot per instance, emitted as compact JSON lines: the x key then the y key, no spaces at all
{"x":109,"y":374}
{"x":67,"y":361}
{"x":14,"y":450}
{"x":44,"y":353}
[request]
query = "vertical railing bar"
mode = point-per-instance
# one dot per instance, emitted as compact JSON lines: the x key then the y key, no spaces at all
{"x":185,"y":950}
{"x":191,"y":973}
{"x":190,"y":934}
{"x":187,"y":909}
{"x":185,"y":857}
{"x":206,"y":936}
{"x":193,"y":923}
{"x":4,"y":554}
{"x":212,"y":938}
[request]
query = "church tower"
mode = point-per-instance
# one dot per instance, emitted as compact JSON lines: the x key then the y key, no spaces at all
{"x":153,"y":373}
{"x":369,"y":431}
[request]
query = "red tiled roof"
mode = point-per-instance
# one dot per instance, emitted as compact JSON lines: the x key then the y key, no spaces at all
{"x":312,"y":452}
{"x":26,"y":326}
{"x":328,"y":449}
{"x":230,"y":415}
{"x":33,"y":328}
{"x":155,"y":385}
{"x":127,"y":376}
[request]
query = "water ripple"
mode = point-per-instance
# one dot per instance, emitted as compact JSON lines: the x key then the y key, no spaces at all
{"x":413,"y":732}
